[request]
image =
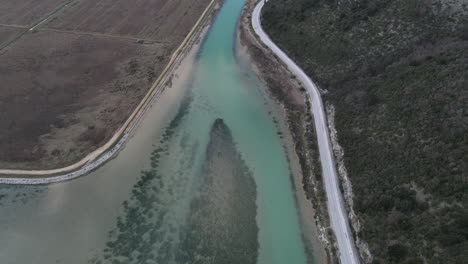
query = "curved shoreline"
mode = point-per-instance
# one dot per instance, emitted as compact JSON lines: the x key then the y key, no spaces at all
{"x":101,"y":155}
{"x":339,"y":221}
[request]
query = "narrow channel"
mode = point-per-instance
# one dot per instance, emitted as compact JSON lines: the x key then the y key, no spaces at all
{"x":204,"y":179}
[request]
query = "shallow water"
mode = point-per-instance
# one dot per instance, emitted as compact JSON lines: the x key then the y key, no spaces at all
{"x":180,"y":192}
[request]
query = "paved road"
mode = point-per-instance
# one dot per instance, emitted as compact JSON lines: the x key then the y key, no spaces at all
{"x":338,"y":215}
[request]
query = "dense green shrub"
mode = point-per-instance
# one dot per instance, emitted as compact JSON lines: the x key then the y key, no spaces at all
{"x":395,"y":71}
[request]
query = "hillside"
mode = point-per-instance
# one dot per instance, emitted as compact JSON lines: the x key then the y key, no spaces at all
{"x":395,"y":71}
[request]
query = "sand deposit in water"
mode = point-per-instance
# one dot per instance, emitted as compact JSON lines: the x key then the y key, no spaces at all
{"x":211,"y":185}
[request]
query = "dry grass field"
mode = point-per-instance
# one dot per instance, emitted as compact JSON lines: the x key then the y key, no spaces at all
{"x":65,"y":91}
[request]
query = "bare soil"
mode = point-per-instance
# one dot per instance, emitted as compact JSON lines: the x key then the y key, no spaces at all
{"x":147,"y":19}
{"x":65,"y":93}
{"x":26,"y":12}
{"x":8,"y":34}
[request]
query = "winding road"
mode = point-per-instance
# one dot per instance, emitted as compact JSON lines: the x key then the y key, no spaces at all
{"x":336,"y":209}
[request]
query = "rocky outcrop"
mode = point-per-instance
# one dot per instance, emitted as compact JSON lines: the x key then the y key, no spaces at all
{"x":347,"y":188}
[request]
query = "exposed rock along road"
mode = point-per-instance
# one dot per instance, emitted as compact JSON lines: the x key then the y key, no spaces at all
{"x":338,"y":216}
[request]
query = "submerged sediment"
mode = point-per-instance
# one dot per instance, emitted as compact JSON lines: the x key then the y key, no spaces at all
{"x":219,"y":224}
{"x":221,"y":227}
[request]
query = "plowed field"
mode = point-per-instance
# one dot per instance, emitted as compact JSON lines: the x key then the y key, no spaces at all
{"x":26,"y":12}
{"x":7,"y":34}
{"x":150,"y":19}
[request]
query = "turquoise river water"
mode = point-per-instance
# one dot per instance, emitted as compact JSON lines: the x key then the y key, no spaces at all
{"x":204,"y":179}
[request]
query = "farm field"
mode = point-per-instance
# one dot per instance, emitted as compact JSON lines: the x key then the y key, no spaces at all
{"x":65,"y":92}
{"x":26,"y":12}
{"x":147,"y":19}
{"x":7,"y":34}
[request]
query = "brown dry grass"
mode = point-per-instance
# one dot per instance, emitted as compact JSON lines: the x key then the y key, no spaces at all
{"x":57,"y":85}
{"x":64,"y":94}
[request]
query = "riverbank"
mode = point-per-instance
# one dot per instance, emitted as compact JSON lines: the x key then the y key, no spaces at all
{"x":298,"y":133}
{"x":335,"y":204}
{"x":100,"y":156}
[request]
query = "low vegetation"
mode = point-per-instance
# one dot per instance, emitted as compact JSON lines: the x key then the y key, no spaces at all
{"x":396,"y":73}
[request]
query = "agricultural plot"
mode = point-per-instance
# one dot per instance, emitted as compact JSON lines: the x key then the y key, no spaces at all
{"x":26,"y":12}
{"x":64,"y":93}
{"x":8,"y":34}
{"x":70,"y":84}
{"x":161,"y":20}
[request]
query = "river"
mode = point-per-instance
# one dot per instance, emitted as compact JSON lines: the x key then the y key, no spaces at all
{"x":204,"y":179}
